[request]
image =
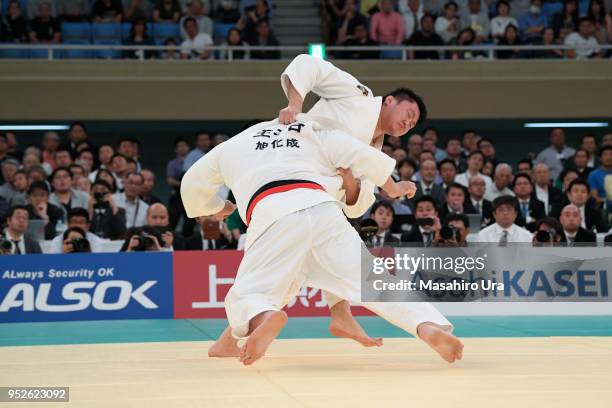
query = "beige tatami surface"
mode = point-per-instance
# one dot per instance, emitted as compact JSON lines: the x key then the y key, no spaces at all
{"x":499,"y":372}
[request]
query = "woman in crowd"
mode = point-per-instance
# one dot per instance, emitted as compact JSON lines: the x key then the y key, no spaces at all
{"x":566,"y":21}
{"x":234,"y":39}
{"x":14,"y":27}
{"x":167,"y":11}
{"x":500,"y":22}
{"x":139,"y":36}
{"x":511,"y":37}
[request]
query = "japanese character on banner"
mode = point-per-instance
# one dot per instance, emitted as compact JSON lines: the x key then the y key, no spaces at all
{"x":304,"y":297}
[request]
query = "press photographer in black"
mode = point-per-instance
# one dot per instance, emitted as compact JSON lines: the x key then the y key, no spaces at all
{"x":156,"y":235}
{"x":548,"y":232}
{"x":107,"y":219}
{"x":75,"y":241}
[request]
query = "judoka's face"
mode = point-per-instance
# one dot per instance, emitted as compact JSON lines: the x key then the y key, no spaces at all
{"x":398,"y":117}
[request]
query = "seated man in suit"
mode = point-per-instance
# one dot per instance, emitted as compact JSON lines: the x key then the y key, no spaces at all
{"x":383,"y":213}
{"x":17,"y":224}
{"x":158,"y":228}
{"x":456,"y":202}
{"x":427,"y":223}
{"x":544,"y":191}
{"x":530,"y":208}
{"x":578,"y":194}
{"x":210,"y":234}
{"x":427,"y":185}
{"x":572,"y":231}
{"x":476,"y":191}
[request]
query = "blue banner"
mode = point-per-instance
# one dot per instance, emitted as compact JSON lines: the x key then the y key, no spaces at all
{"x":36,"y":288}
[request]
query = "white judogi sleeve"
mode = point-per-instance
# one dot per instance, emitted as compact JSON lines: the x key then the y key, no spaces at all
{"x":365,"y":200}
{"x":200,"y":185}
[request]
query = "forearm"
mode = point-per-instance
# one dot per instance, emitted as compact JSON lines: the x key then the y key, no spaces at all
{"x":294,"y":97}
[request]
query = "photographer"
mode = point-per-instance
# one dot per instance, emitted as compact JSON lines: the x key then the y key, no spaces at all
{"x":455,"y":231}
{"x":427,"y":222}
{"x":74,"y":241}
{"x":548,"y":232}
{"x":79,"y":218}
{"x":107,"y":219}
{"x":144,"y":239}
{"x":156,"y":235}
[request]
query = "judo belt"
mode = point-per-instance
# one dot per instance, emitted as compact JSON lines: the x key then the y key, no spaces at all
{"x":274,"y":187}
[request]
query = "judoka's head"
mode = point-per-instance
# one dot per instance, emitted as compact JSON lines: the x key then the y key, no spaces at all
{"x":401,"y":111}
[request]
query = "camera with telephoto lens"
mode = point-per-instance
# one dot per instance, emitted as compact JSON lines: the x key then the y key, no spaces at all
{"x":145,"y":242}
{"x":99,"y":200}
{"x":367,"y":229}
{"x":449,"y":233}
{"x":80,"y":245}
{"x":5,"y":246}
{"x":545,"y":236}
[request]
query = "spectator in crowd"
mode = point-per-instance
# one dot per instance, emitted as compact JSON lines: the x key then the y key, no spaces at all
{"x":85,"y":159}
{"x":606,"y":140}
{"x":50,"y":143}
{"x":383,"y":213}
{"x":195,"y":10}
{"x":427,"y":224}
{"x":578,"y":193}
{"x":544,"y":190}
{"x":174,"y":168}
{"x":487,"y":147}
{"x":584,"y":39}
{"x":504,"y":230}
{"x":588,"y":143}
{"x":73,"y":11}
{"x":203,"y":145}
{"x":501,"y":20}
{"x":415,"y":147}
{"x":580,"y":164}
{"x":597,"y":14}
{"x":77,"y":171}
{"x":387,"y":26}
{"x":525,"y":166}
{"x":461,"y":223}
{"x":412,"y":13}
{"x":399,"y":154}
{"x":147,"y":187}
{"x":227,"y":12}
{"x":502,"y":180}
{"x":427,"y":185}
{"x":170,"y":51}
{"x":573,"y":232}
{"x":44,"y":28}
{"x":138,"y":9}
{"x":332,"y":11}
{"x":128,"y":147}
{"x":119,"y":169}
{"x":83,"y":184}
{"x":14,"y":27}
{"x":17,"y":224}
{"x":40,"y":208}
{"x":234,"y":39}
{"x":469,"y":142}
{"x":360,"y":39}
{"x":369,"y":7}
{"x":511,"y":37}
{"x":482,"y":206}
{"x":434,"y":7}
{"x":196,"y":43}
{"x":406,"y":169}
{"x":447,"y":25}
{"x":75,"y":241}
{"x":109,"y":178}
{"x":107,"y":11}
{"x":566,"y":21}
{"x":211,"y":234}
{"x":555,"y":155}
{"x":135,"y":208}
{"x":600,"y":180}
{"x":350,"y":18}
{"x":475,"y":162}
{"x":430,"y":135}
{"x":105,"y":154}
{"x":453,"y":152}
{"x":549,"y":39}
{"x":456,"y":202}
{"x":64,"y":195}
{"x":139,"y":36}
{"x":477,"y":19}
{"x":426,"y":37}
{"x":14,"y":191}
{"x":530,"y":208}
{"x":264,"y":37}
{"x":107,"y":219}
{"x":34,"y":8}
{"x":553,"y":232}
{"x":448,"y":172}
{"x":488,"y":169}
{"x":167,"y":11}
{"x":77,"y":218}
{"x":8,"y":168}
{"x":157,"y":228}
{"x":566,"y":177}
{"x":36,"y":173}
{"x":220,"y":138}
{"x":76,"y":134}
{"x":466,"y":37}
{"x":533,"y":22}
{"x":250,"y":19}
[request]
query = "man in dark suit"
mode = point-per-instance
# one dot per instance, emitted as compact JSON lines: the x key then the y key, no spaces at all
{"x":427,"y":223}
{"x":578,"y":193}
{"x":543,"y":190}
{"x":530,"y":209}
{"x":428,"y":170}
{"x":572,"y":231}
{"x":383,"y":213}
{"x":456,"y":202}
{"x":476,"y":191}
{"x":17,"y":224}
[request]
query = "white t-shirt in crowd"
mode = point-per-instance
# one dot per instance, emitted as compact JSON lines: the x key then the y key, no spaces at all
{"x":196,"y":46}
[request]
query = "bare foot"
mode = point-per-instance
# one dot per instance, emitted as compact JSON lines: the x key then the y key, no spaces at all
{"x":258,"y":342}
{"x":343,"y":324}
{"x":225,"y":346}
{"x":445,"y":344}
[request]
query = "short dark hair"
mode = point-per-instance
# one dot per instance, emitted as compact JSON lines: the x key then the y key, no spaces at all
{"x":521,"y":175}
{"x":455,"y":185}
{"x":65,"y":149}
{"x":57,"y":170}
{"x":427,"y":15}
{"x":134,"y":173}
{"x":78,"y":212}
{"x":74,"y":229}
{"x":103,"y":183}
{"x":77,"y":122}
{"x":578,"y":182}
{"x":475,"y":152}
{"x":115,"y":155}
{"x":405,"y":94}
{"x":485,"y":139}
{"x":604,"y":149}
{"x":526,"y":161}
{"x":86,"y":150}
{"x":181,"y":140}
{"x":188,"y":19}
{"x":409,"y":162}
{"x":383,"y":204}
{"x":424,"y":199}
{"x":458,"y":217}
{"x":38,"y":185}
{"x":447,"y":161}
{"x":455,"y":138}
{"x":505,"y":200}
{"x":451,"y":3}
{"x":567,"y":171}
{"x":553,"y":222}
{"x":588,"y":136}
{"x":585,"y":19}
{"x":499,"y":3}
{"x":15,"y":208}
